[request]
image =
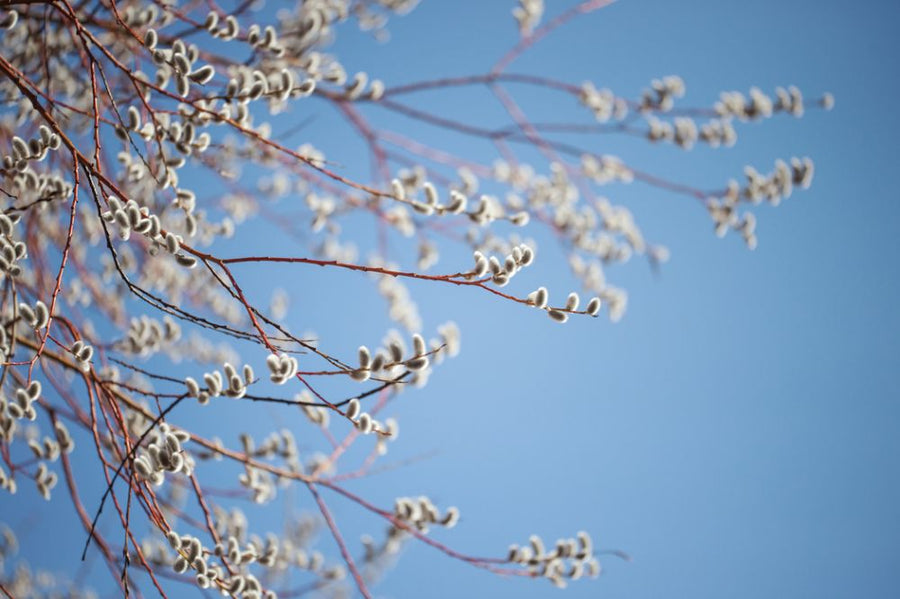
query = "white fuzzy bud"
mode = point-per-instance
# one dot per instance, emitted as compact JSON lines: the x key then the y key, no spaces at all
{"x":450,"y":518}
{"x":365,"y":357}
{"x":557,"y":315}
{"x":150,"y":39}
{"x":539,"y":297}
{"x":203,"y":75}
{"x":365,"y":424}
{"x":419,"y":347}
{"x":520,"y":219}
{"x":353,"y":409}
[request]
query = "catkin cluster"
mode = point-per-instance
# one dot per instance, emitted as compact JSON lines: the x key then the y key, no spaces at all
{"x":165,"y":209}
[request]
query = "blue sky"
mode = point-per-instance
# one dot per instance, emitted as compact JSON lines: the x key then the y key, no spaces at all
{"x":736,"y":431}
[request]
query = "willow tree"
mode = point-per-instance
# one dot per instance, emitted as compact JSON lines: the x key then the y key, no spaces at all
{"x":144,"y":165}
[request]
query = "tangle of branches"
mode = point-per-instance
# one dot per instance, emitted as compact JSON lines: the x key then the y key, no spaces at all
{"x":154,"y":160}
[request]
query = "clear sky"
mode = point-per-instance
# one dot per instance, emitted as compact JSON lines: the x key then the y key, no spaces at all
{"x":736,"y":432}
